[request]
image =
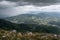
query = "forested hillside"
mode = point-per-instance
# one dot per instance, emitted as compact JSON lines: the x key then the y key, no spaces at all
{"x":6,"y":25}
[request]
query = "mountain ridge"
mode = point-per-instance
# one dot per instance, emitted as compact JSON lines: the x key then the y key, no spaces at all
{"x":38,"y":18}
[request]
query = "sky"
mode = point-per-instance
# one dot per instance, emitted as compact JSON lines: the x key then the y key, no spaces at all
{"x":15,"y":7}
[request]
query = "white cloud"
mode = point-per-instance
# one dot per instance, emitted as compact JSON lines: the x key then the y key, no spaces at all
{"x":27,"y":8}
{"x":51,"y":8}
{"x":7,"y":4}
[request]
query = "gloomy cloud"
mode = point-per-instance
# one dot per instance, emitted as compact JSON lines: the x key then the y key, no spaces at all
{"x":13,"y":0}
{"x":36,"y":2}
{"x":6,"y":8}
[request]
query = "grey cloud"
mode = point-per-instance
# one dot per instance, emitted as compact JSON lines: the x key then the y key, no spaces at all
{"x":13,"y":0}
{"x":38,"y":1}
{"x":7,"y":8}
{"x":42,"y":2}
{"x":20,"y":3}
{"x":6,"y":12}
{"x":7,"y":4}
{"x":35,"y":2}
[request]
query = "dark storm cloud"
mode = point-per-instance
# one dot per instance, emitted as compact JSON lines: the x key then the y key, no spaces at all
{"x":13,"y":0}
{"x":36,"y":2}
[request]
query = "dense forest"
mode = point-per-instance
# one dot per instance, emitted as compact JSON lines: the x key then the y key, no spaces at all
{"x":29,"y":27}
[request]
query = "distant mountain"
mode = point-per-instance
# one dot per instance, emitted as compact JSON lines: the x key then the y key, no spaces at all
{"x":37,"y":18}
